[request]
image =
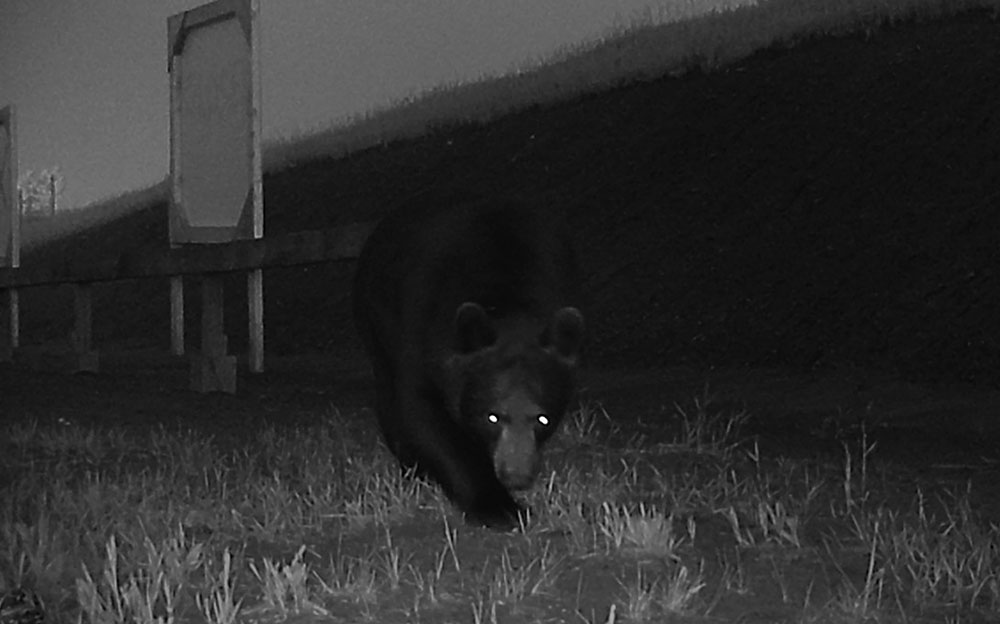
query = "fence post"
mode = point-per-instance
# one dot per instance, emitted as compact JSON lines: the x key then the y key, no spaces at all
{"x":10,"y":202}
{"x":10,"y":340}
{"x":255,"y":302}
{"x":177,"y":315}
{"x":213,"y":370}
{"x":86,"y":358}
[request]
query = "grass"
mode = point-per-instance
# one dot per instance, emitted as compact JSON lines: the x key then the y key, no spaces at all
{"x":677,"y":38}
{"x":167,"y":526}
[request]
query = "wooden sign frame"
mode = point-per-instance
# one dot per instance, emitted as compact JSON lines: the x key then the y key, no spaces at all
{"x":215,"y":168}
{"x":214,"y":106}
{"x":10,"y":230}
{"x":10,"y":214}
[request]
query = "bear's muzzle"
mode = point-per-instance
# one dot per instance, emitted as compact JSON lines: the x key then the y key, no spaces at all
{"x":516,"y":457}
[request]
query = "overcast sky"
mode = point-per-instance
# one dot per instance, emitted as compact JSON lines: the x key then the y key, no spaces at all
{"x":89,"y":77}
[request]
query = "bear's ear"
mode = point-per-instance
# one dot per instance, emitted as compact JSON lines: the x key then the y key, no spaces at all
{"x":565,"y":334}
{"x":473,"y":328}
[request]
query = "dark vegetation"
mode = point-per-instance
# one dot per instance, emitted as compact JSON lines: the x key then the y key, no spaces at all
{"x":830,"y":204}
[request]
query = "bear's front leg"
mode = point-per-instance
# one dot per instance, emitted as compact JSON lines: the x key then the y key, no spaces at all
{"x":457,"y":460}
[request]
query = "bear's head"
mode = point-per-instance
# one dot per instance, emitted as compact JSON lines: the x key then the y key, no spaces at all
{"x":514,"y":383}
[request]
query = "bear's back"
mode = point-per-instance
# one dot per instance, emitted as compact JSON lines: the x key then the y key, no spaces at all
{"x":426,"y":259}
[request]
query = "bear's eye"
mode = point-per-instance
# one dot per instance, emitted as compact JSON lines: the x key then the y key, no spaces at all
{"x":543,"y":420}
{"x":493,"y":418}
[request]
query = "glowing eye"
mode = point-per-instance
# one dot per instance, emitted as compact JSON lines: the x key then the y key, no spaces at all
{"x":493,"y":418}
{"x":543,"y":420}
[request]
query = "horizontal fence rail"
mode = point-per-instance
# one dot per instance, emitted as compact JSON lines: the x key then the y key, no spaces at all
{"x":296,"y":249}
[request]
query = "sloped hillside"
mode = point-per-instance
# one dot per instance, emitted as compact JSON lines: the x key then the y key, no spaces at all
{"x":833,"y":203}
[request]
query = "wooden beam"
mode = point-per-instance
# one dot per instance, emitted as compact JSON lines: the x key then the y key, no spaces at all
{"x":213,"y":370}
{"x":255,"y":316}
{"x":83,"y":319}
{"x":10,"y":335}
{"x":85,"y":357}
{"x":177,"y":315}
{"x":297,"y":249}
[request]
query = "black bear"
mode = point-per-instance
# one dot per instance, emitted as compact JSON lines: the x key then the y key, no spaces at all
{"x":465,"y":310}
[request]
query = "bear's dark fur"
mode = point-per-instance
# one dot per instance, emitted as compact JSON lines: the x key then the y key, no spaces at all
{"x":466,"y":312}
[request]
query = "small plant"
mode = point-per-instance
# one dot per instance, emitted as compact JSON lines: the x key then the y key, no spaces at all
{"x":147,"y":590}
{"x":743,"y":536}
{"x":392,"y":562}
{"x":680,"y":590}
{"x":514,"y":580}
{"x":584,"y":424}
{"x":673,"y":594}
{"x":381,"y":493}
{"x":354,"y":578}
{"x":286,"y":587}
{"x":644,"y":530}
{"x":855,"y":483}
{"x":776,"y":524}
{"x":484,"y":610}
{"x":36,"y":554}
{"x":640,"y":597}
{"x":705,"y":432}
{"x":220,"y":605}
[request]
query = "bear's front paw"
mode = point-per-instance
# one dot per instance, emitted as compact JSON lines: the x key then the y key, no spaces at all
{"x":503,"y":517}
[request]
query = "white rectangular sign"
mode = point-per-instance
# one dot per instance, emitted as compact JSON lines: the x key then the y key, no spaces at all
{"x":215,"y":124}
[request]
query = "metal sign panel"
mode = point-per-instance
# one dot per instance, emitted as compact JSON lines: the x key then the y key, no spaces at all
{"x":215,"y":124}
{"x":10,"y":215}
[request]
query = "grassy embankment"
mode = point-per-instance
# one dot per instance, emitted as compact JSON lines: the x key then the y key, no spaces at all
{"x":687,"y":35}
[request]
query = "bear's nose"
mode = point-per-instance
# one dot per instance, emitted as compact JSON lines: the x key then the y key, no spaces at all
{"x":515,"y":458}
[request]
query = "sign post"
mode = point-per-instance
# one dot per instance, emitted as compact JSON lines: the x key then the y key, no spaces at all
{"x":215,"y":167}
{"x":10,"y":229}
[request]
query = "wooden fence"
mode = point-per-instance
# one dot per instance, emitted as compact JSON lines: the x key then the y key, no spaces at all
{"x":297,"y":249}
